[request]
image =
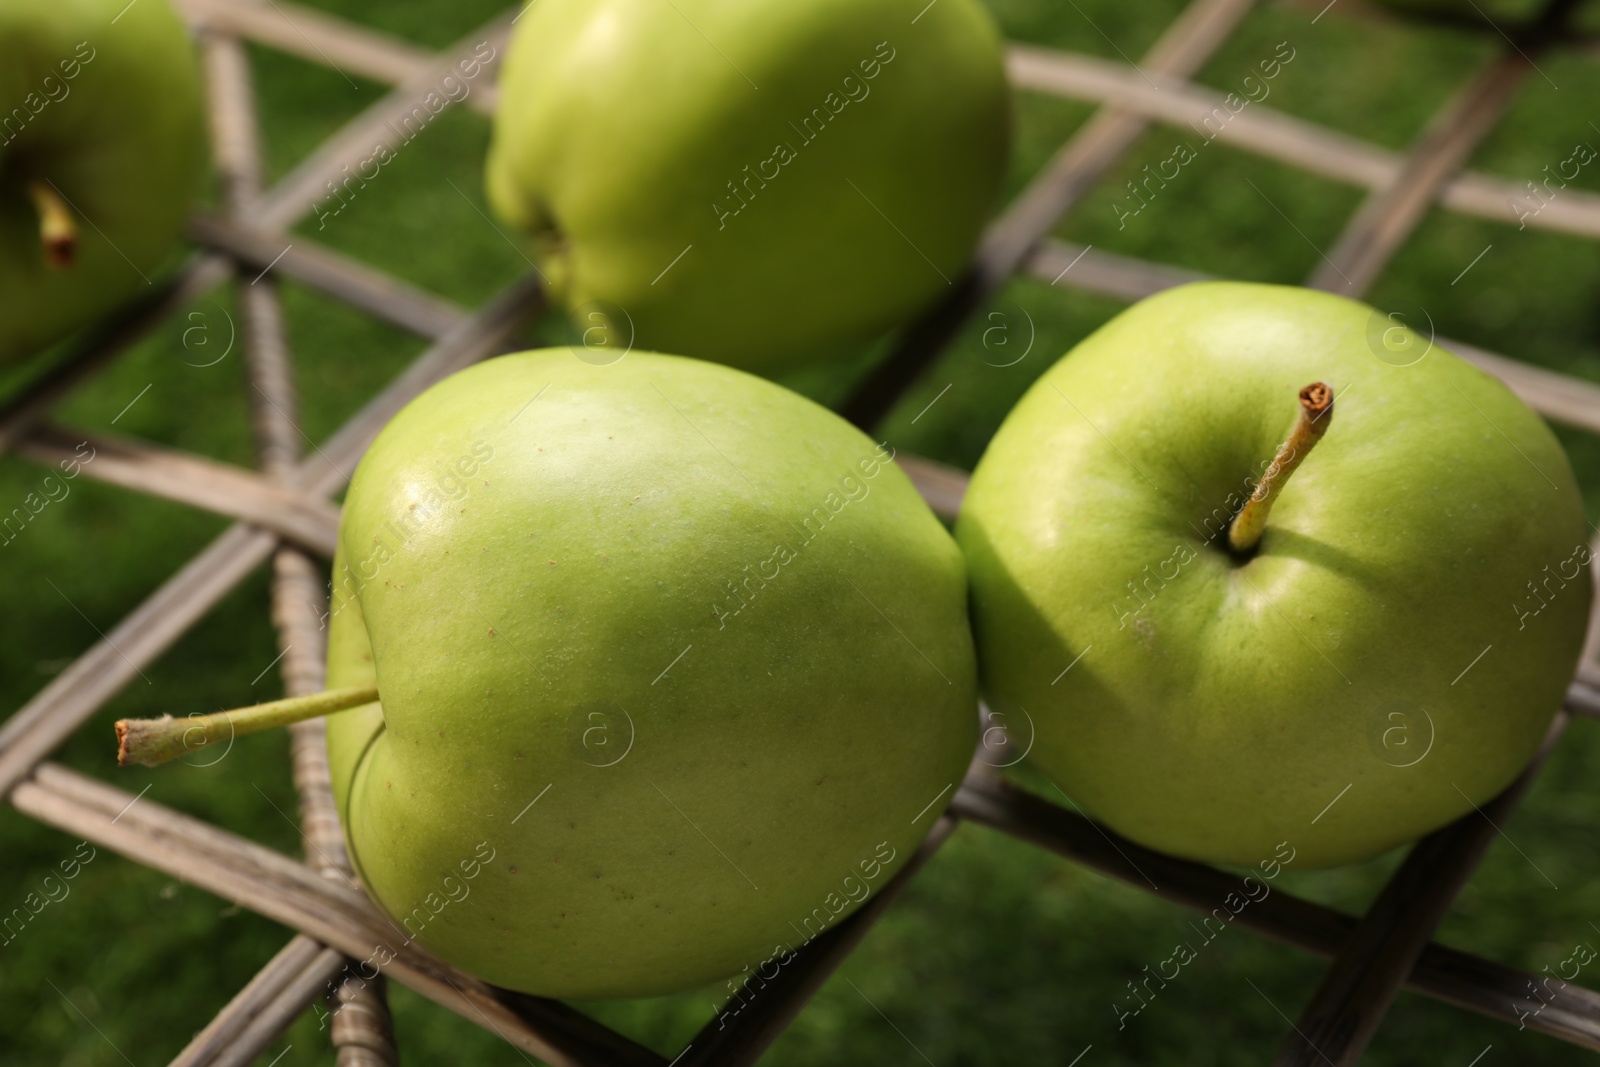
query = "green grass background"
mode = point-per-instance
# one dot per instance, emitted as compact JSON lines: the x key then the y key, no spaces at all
{"x":998,"y":953}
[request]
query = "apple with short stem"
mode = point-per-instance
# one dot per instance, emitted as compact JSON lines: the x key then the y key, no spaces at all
{"x":102,"y":145}
{"x":1234,"y":624}
{"x":653,"y":669}
{"x":757,"y":183}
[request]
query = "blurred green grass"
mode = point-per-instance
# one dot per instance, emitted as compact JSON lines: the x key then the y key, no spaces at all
{"x":999,"y":953}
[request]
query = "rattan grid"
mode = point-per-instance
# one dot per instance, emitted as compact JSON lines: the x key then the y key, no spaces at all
{"x":283,"y":516}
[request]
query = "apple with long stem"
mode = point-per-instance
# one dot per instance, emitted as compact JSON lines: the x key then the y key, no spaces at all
{"x":101,"y":149}
{"x":755,"y":183}
{"x":673,"y":660}
{"x":1237,"y":620}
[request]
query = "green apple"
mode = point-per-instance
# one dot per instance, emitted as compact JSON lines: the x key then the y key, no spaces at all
{"x":751,"y":183}
{"x":1388,"y":655}
{"x":102,"y":144}
{"x":674,"y":670}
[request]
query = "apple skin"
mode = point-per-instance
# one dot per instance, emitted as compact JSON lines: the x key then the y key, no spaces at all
{"x":1225,"y":714}
{"x":578,"y":571}
{"x":620,"y":126}
{"x":123,"y":140}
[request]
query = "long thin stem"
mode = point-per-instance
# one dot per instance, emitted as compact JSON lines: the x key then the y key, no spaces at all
{"x":1316,"y":413}
{"x":58,"y":230}
{"x":151,"y":742}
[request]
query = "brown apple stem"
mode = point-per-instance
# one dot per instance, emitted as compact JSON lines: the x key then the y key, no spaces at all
{"x":151,"y":742}
{"x":58,"y":231}
{"x":1316,"y":413}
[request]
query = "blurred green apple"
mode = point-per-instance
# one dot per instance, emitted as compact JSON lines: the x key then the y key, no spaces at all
{"x":1388,"y":655}
{"x":753,"y":183}
{"x":674,"y":670}
{"x":101,"y":148}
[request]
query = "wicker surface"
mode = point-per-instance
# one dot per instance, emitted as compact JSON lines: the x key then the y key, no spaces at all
{"x":284,"y":518}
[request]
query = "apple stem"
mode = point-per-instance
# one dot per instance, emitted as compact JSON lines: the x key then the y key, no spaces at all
{"x":1316,"y":413}
{"x":58,"y":232}
{"x":151,"y":742}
